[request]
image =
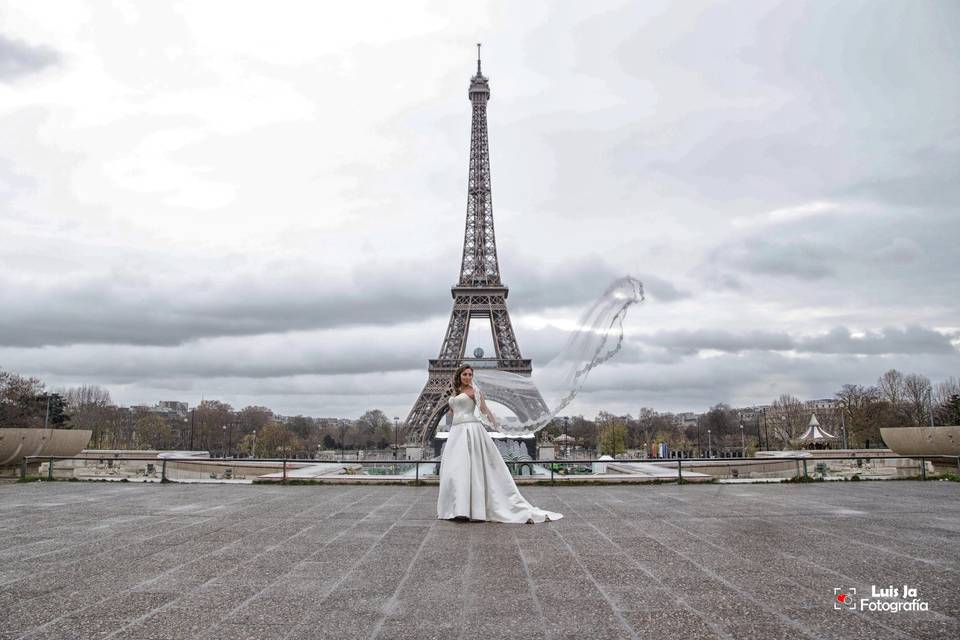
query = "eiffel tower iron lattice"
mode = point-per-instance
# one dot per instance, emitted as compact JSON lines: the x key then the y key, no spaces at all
{"x":479,"y":293}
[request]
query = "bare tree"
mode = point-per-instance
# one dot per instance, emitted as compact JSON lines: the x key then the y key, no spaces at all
{"x":22,"y":401}
{"x":946,"y":402}
{"x":890,"y":385}
{"x":789,"y":418}
{"x":210,"y":419}
{"x":89,"y":409}
{"x":119,"y":427}
{"x":917,"y":398}
{"x":374,"y":428}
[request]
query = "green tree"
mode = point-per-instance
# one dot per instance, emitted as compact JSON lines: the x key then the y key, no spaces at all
{"x":613,"y":434}
{"x":153,"y":432}
{"x":948,"y":412}
{"x":275,"y":441}
{"x":301,"y":426}
{"x":210,"y":418}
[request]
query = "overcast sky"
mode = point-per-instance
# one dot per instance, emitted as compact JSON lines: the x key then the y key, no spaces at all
{"x":263,"y":203}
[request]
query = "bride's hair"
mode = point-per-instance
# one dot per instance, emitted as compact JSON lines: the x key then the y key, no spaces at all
{"x":456,"y":377}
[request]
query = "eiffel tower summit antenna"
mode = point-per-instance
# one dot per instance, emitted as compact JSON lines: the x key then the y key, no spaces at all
{"x":479,"y":293}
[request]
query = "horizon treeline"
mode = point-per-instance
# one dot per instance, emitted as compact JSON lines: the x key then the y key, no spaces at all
{"x":856,"y":413}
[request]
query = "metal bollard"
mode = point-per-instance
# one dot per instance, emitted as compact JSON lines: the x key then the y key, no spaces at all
{"x":679,"y":470}
{"x":50,"y":469}
{"x":416,"y":481}
{"x":923,"y":469}
{"x":163,"y":471}
{"x":23,"y":469}
{"x":805,"y":477}
{"x":284,"y":479}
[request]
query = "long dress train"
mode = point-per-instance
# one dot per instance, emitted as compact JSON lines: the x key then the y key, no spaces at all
{"x":474,"y":480}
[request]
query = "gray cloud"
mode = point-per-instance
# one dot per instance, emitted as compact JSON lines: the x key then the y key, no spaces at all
{"x":660,"y":289}
{"x":143,"y":308}
{"x":909,"y":340}
{"x":839,"y":340}
{"x":17,"y":58}
{"x":803,"y":259}
{"x":690,"y":342}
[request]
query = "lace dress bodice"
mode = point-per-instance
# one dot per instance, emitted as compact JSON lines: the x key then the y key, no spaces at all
{"x":463,"y":408}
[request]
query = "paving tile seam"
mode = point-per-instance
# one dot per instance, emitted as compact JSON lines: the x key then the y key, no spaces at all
{"x":319,"y":603}
{"x":388,"y":607}
{"x":873,"y":546}
{"x":173,"y":517}
{"x":130,"y":623}
{"x":224,"y":618}
{"x":208,"y":556}
{"x":531,"y":585}
{"x":145,"y":526}
{"x":53,"y":572}
{"x":869,"y":620}
{"x":793,"y":623}
{"x":834,"y":537}
{"x":800,"y":586}
{"x":677,"y":596}
{"x":101,"y":546}
{"x":603,"y":592}
{"x":745,"y":594}
{"x":465,"y":595}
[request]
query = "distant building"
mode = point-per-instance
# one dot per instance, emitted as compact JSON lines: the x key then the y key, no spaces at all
{"x":165,"y":408}
{"x":174,"y":406}
{"x":688,"y":419}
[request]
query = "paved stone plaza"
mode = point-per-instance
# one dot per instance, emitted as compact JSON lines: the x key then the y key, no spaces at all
{"x":142,"y":561}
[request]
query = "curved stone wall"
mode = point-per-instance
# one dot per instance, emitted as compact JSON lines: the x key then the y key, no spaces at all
{"x":15,"y":444}
{"x":923,"y":441}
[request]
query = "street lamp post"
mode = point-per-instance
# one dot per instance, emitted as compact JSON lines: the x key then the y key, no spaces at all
{"x":766,"y":434}
{"x":843,"y":426}
{"x":342,"y":426}
{"x":396,"y":436}
{"x":743,"y":444}
{"x":224,"y":441}
{"x":709,"y":445}
{"x":699,"y":444}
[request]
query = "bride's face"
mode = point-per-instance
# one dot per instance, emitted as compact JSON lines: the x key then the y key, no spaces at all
{"x":466,"y":378}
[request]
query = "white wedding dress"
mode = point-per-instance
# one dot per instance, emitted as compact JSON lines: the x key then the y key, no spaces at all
{"x":474,"y":480}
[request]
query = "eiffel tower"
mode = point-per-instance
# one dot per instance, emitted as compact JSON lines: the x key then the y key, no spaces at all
{"x":479,"y":294}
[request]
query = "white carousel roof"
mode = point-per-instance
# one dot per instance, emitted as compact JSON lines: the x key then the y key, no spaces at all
{"x":814,"y":432}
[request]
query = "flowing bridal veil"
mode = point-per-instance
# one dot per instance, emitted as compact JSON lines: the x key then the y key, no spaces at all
{"x":597,"y":338}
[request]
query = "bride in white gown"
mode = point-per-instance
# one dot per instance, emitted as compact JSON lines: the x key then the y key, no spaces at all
{"x":475,"y":483}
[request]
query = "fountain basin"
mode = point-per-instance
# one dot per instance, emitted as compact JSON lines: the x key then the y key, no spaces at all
{"x":923,"y":441}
